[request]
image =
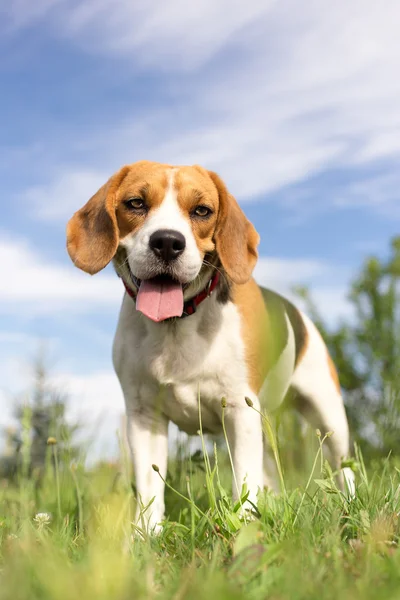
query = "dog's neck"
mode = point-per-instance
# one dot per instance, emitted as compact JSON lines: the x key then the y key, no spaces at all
{"x":211,"y":279}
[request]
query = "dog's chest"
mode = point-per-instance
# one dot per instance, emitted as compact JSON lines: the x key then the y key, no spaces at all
{"x":198,"y":347}
{"x":181,"y":404}
{"x":177,"y":365}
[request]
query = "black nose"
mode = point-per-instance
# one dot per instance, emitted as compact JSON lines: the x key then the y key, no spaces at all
{"x":167,"y":244}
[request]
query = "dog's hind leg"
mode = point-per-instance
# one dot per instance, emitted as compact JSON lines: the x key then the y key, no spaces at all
{"x":320,"y":402}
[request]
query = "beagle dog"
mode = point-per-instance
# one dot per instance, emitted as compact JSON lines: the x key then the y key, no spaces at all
{"x":195,"y":327}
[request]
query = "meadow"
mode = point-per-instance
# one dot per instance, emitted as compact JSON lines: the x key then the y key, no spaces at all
{"x":68,"y":533}
{"x":296,"y":106}
{"x":67,"y":530}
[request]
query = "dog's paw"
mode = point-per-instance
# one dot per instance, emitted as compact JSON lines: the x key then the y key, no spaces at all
{"x":247,"y":513}
{"x":156,"y":529}
{"x":349,"y":483}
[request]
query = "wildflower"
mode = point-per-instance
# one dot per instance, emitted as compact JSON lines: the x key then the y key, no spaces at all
{"x":42,"y":519}
{"x":249,"y":402}
{"x":51,"y":441}
{"x":223,"y":402}
{"x":155,"y":468}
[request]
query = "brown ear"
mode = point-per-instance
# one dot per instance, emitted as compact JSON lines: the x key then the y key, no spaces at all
{"x":92,"y":232}
{"x":235,"y":237}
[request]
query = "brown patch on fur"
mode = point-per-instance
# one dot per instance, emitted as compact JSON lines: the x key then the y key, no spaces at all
{"x":265,"y":329}
{"x":333,"y":372}
{"x":235,"y":237}
{"x":92,"y":233}
{"x":145,"y":180}
{"x":194,"y":187}
{"x":256,"y":329}
{"x":299,"y":330}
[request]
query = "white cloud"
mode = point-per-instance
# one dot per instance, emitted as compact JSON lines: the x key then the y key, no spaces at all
{"x":37,"y":284}
{"x":65,"y":194}
{"x":23,"y":13}
{"x":5,"y":413}
{"x":178,"y":34}
{"x":282,"y":273}
{"x":95,"y":393}
{"x":271,"y":92}
{"x":12,"y":337}
{"x":331,"y":302}
{"x":380,"y":192}
{"x":327,"y":283}
{"x":13,"y":376}
{"x":95,"y":400}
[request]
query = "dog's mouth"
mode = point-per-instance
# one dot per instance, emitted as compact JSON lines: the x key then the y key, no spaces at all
{"x":159,"y":298}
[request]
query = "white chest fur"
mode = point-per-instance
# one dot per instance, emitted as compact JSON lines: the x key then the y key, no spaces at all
{"x":167,"y":366}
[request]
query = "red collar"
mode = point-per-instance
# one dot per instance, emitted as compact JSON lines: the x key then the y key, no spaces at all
{"x":190,"y":306}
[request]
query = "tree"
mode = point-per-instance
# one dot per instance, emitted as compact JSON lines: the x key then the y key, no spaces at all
{"x":39,"y":417}
{"x":366,"y":351}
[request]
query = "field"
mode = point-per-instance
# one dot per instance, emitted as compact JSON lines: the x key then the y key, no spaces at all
{"x":71,"y":536}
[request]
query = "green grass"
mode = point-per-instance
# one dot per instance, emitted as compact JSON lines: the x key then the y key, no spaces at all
{"x":309,"y":542}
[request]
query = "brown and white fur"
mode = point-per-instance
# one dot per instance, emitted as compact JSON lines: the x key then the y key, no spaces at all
{"x":241,"y":342}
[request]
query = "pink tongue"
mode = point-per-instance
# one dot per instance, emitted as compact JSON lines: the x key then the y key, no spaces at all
{"x":159,"y":299}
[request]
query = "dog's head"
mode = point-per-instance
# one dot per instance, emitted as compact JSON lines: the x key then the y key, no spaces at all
{"x":166,"y":222}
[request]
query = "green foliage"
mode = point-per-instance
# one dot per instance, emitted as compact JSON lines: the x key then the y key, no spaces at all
{"x":311,"y":542}
{"x":42,"y":414}
{"x":366,"y":350}
{"x":72,"y":536}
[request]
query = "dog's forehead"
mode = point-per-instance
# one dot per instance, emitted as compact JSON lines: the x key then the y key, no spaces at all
{"x":161,"y":176}
{"x":147,"y":172}
{"x":187,"y":178}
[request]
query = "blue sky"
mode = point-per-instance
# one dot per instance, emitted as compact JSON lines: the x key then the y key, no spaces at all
{"x":296,"y":105}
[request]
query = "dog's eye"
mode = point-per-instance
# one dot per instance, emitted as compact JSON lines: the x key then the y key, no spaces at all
{"x":202,"y":211}
{"x":135,"y":203}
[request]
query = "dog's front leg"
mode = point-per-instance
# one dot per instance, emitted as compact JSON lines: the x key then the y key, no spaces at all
{"x":148,"y":441}
{"x":244,"y":432}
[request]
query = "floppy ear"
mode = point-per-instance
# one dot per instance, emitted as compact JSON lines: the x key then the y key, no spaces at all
{"x":92,"y":232}
{"x":235,"y":237}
